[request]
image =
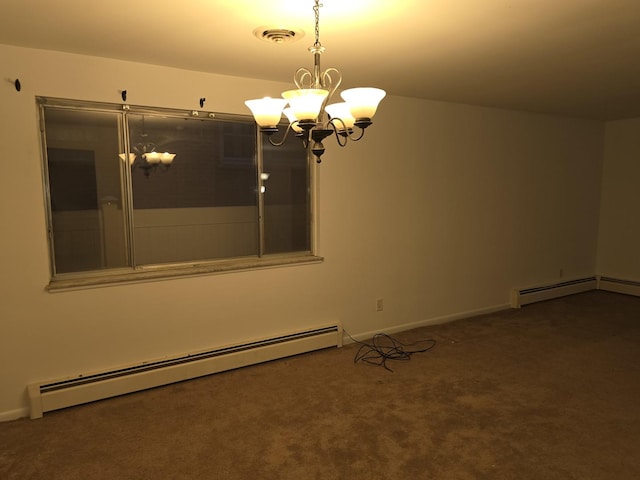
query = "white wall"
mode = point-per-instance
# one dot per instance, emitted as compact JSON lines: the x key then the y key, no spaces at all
{"x":440,"y":210}
{"x":619,"y":238}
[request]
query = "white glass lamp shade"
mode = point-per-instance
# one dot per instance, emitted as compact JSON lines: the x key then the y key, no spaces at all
{"x":152,"y":157}
{"x":306,"y":102}
{"x":292,"y":118}
{"x":341,"y":111}
{"x":132,"y":157}
{"x":363,"y":101}
{"x":166,"y":158}
{"x":267,"y":111}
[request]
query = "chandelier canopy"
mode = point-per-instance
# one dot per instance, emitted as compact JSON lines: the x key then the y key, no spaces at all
{"x":310,"y":115}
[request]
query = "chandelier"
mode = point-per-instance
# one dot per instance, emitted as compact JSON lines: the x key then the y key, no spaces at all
{"x":150,"y":159}
{"x":145,"y":156}
{"x":310,"y":116}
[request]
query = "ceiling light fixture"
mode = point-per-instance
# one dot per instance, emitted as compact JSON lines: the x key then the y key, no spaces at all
{"x":309,"y":116}
{"x":150,"y":159}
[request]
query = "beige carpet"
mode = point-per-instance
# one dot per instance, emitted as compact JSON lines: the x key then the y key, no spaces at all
{"x":550,"y":391}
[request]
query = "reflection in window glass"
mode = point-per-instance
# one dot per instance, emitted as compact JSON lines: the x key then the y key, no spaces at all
{"x":204,"y":204}
{"x":132,"y":188}
{"x":286,"y":197}
{"x":87,"y":220}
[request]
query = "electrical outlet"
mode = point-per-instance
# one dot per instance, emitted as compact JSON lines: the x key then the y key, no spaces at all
{"x":379,"y":305}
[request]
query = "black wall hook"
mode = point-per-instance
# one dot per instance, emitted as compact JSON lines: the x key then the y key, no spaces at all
{"x":202,"y":100}
{"x":124,"y":95}
{"x":18,"y":85}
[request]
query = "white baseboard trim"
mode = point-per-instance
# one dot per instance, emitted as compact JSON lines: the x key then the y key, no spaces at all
{"x":14,"y":414}
{"x":430,"y":321}
{"x":539,"y":293}
{"x":617,"y":285}
{"x":55,"y":394}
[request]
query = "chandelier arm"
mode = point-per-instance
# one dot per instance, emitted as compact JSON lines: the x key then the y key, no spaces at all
{"x":142,"y":148}
{"x":284,"y":138}
{"x":299,"y":78}
{"x":342,"y":140}
{"x":341,"y":136}
{"x":329,"y":83}
{"x":343,"y":131}
{"x":353,"y":137}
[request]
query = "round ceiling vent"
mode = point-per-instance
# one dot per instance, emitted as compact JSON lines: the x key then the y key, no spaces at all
{"x":278,"y":35}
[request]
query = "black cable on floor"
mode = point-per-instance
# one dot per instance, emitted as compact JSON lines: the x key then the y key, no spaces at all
{"x":384,"y":347}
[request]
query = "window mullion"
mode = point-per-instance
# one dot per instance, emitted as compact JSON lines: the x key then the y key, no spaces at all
{"x":127,"y":190}
{"x":260,"y":193}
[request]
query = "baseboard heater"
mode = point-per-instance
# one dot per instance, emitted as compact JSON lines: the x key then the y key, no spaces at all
{"x":547,"y":292}
{"x":628,"y":287}
{"x":57,"y":394}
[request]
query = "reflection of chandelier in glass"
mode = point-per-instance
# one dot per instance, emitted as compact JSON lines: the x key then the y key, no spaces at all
{"x":310,"y":117}
{"x":149,"y":158}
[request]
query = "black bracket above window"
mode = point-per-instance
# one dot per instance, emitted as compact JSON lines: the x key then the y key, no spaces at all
{"x":18,"y":85}
{"x":124,"y":95}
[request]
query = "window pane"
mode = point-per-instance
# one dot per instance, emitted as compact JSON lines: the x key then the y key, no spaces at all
{"x":204,"y":204}
{"x":84,"y":184}
{"x":286,"y":197}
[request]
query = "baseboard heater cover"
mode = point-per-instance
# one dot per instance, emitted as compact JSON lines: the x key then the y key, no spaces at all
{"x":628,"y":287}
{"x":540,"y":293}
{"x":57,"y":394}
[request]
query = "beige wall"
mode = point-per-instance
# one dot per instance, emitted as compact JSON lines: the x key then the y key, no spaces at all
{"x":440,"y":210}
{"x":619,"y":239}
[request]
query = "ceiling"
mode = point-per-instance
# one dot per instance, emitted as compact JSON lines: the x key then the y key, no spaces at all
{"x":569,"y":57}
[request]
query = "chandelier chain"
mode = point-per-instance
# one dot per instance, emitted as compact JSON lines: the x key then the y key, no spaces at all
{"x":316,"y":10}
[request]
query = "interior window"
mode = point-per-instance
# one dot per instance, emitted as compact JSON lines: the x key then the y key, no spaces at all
{"x":143,"y":188}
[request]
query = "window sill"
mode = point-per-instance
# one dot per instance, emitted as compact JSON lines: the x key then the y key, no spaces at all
{"x":151,"y":274}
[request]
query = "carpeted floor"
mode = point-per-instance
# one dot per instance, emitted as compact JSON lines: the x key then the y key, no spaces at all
{"x":550,"y":391}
